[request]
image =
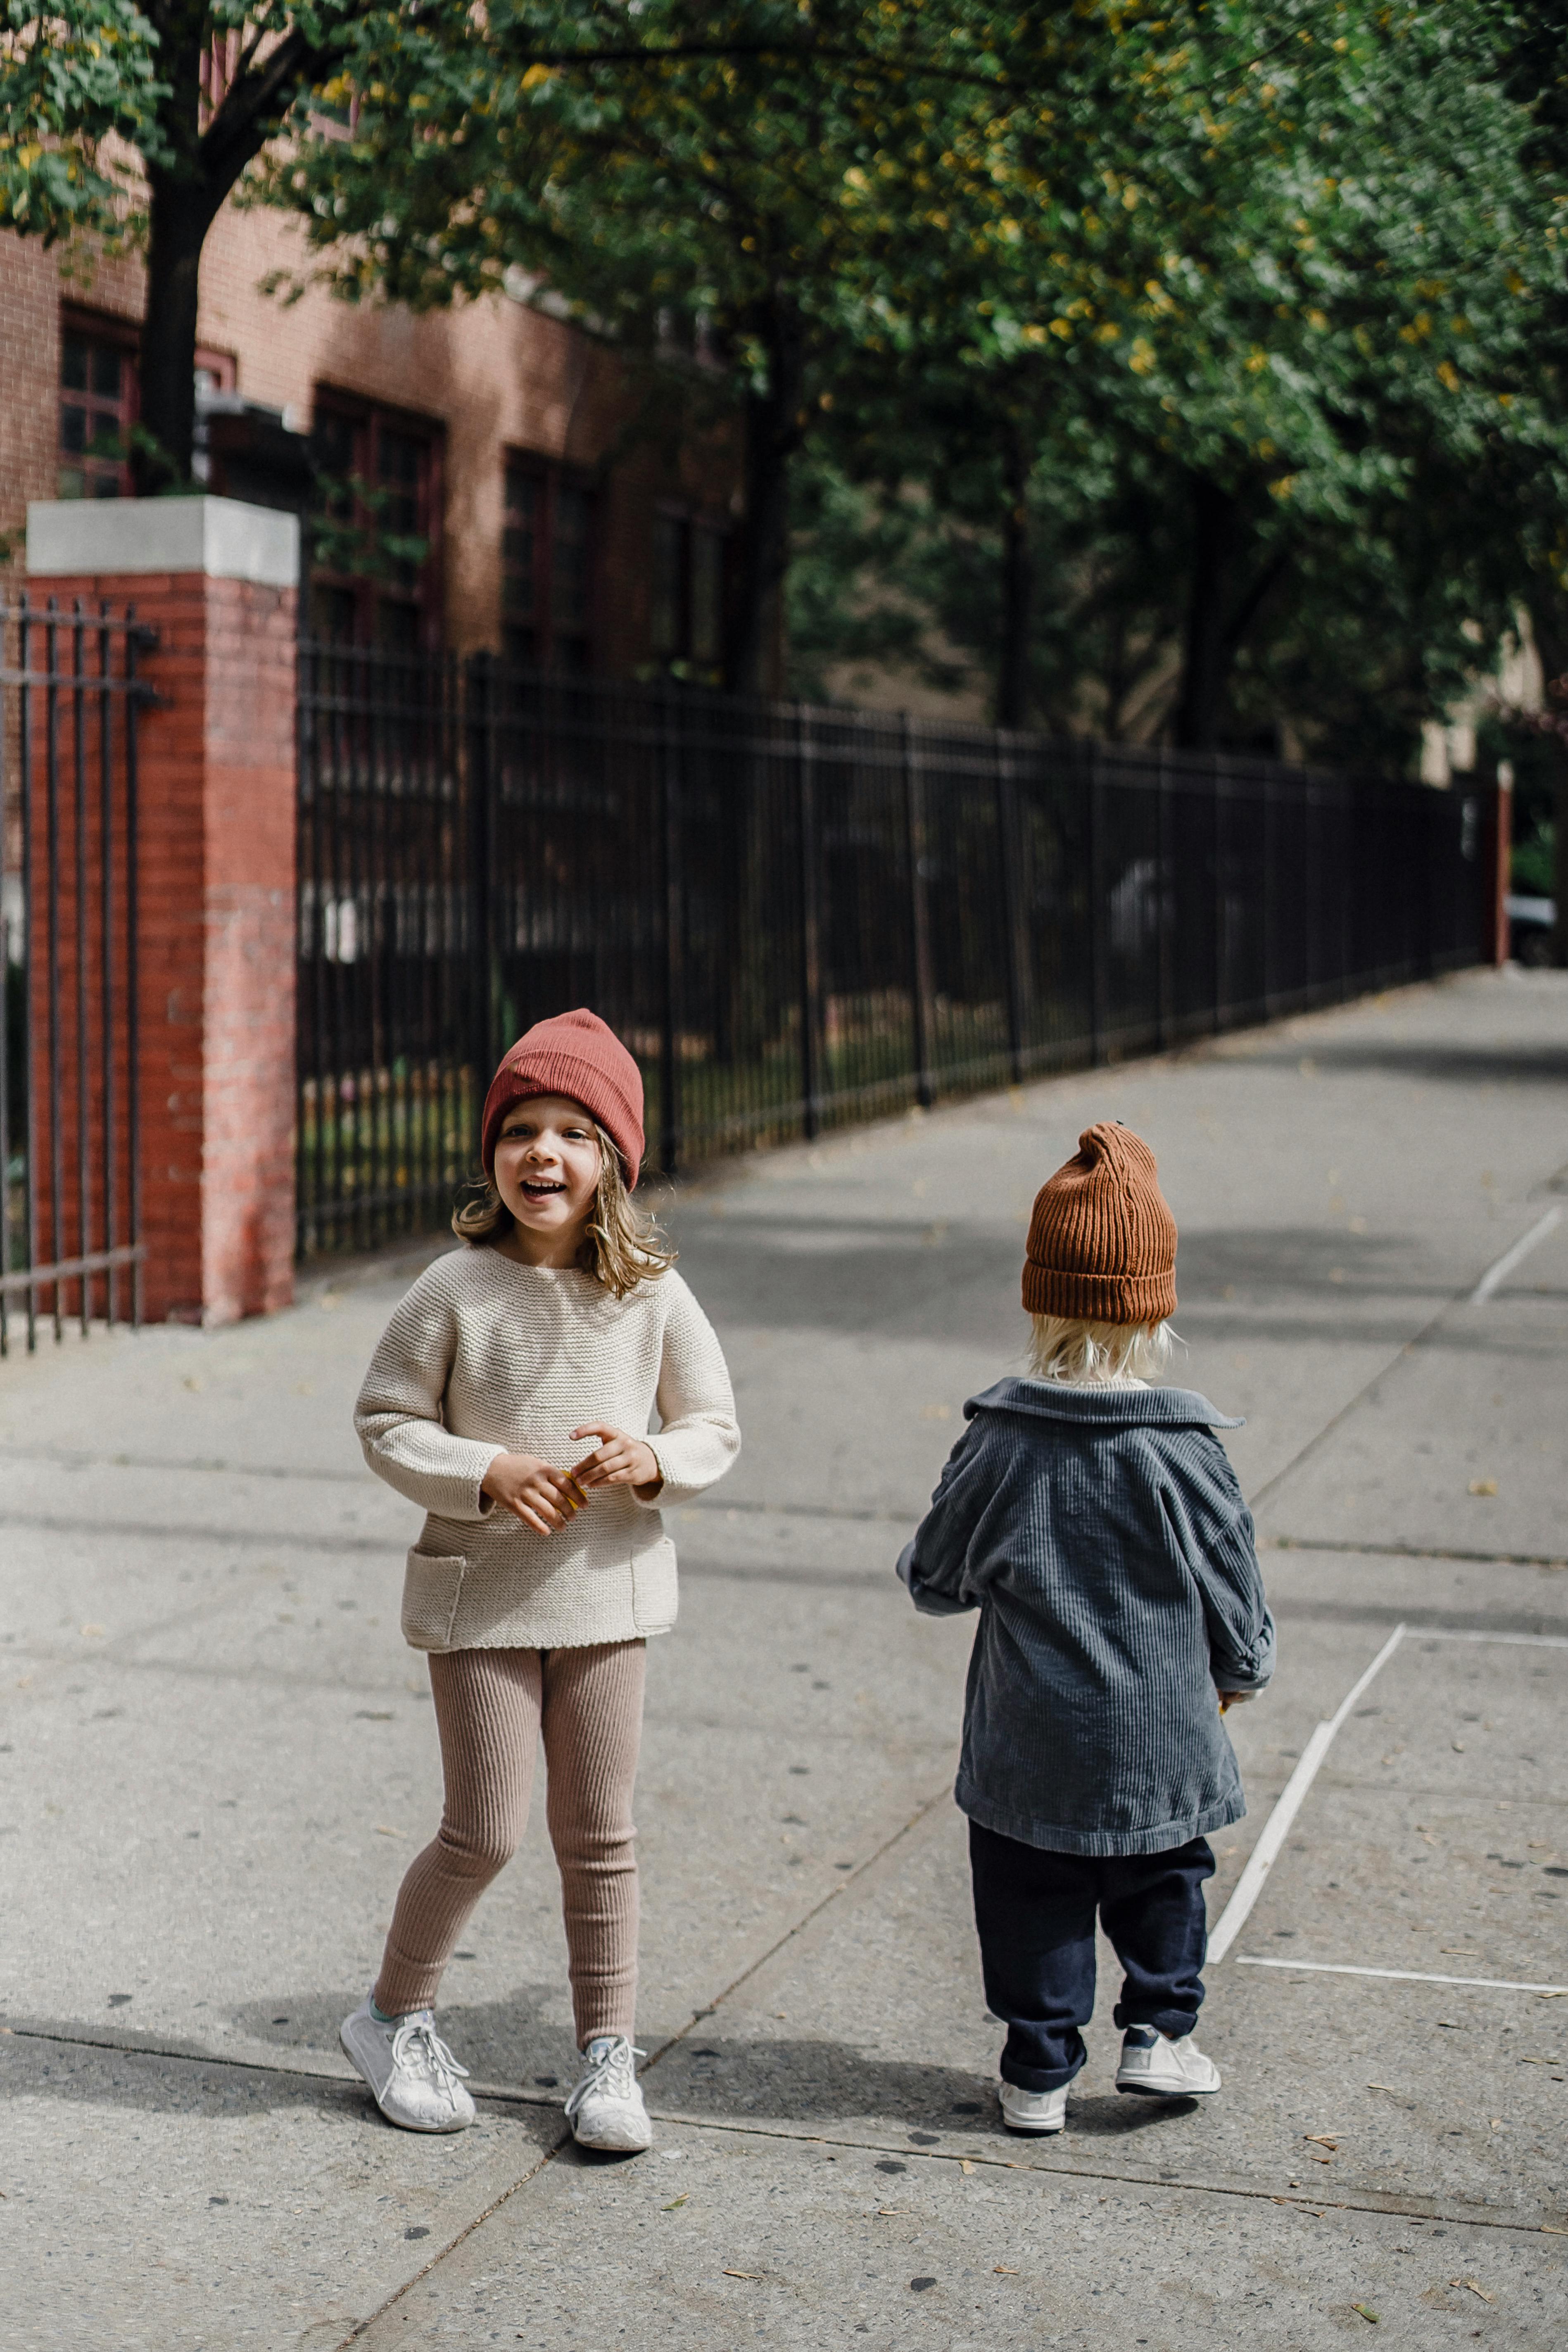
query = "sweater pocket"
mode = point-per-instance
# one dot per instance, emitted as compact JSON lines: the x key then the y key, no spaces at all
{"x":430,"y":1591}
{"x":654,"y":1593}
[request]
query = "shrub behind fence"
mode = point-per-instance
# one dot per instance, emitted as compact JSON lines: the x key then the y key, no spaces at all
{"x":795,"y":916}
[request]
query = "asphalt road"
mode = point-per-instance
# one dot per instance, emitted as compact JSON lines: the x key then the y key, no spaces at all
{"x":217,"y":1756}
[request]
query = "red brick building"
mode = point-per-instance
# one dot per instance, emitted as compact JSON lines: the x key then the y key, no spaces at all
{"x":505,"y":442}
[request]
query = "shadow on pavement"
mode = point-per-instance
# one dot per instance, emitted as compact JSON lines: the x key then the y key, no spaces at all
{"x":1467,"y":1066}
{"x":726,"y":2081}
{"x":522,"y":2039}
{"x":34,"y":2067}
{"x":831,"y":2081}
{"x":855,"y":1275}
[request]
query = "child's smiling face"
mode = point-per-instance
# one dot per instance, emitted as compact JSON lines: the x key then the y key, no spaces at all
{"x":547,"y":1167}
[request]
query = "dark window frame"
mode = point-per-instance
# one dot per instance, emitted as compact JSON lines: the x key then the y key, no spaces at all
{"x":405,"y":612}
{"x":536,"y":632}
{"x":689,"y":575}
{"x":105,"y":332}
{"x":101,"y":475}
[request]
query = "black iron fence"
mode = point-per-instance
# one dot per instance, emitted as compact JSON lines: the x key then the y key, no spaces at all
{"x":70,"y":1245}
{"x":796,"y":916}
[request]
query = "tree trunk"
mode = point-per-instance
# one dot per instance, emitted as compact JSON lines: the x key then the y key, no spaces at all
{"x":1210,"y":646}
{"x":185,"y":194}
{"x":179,"y":216}
{"x":775,"y":429}
{"x":1017,"y":587}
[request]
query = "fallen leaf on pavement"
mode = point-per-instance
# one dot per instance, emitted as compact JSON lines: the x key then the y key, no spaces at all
{"x":1476,"y":2288}
{"x":748,"y":2274}
{"x":1483,"y":1486}
{"x":1330,"y":2140}
{"x":1367,"y":2313}
{"x":1002,"y":2272}
{"x":894,"y":2212}
{"x":381,"y":1831}
{"x":675,"y":2204}
{"x":964,"y":2165}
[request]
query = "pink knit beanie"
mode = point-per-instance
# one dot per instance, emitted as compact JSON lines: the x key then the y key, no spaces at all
{"x":575,"y":1054}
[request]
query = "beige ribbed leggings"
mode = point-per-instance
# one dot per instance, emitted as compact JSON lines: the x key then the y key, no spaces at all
{"x":490,"y":1709}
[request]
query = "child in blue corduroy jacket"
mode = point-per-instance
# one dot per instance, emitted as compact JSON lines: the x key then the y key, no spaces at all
{"x":1093,"y":1519}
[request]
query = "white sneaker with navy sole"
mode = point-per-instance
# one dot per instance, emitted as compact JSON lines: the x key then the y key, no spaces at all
{"x":415,"y":2079}
{"x":1034,"y":2111}
{"x":1158,"y":2066}
{"x":605,"y":2106}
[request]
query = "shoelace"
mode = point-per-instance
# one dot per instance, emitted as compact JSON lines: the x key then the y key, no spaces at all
{"x":417,"y":2044}
{"x":611,"y":2072}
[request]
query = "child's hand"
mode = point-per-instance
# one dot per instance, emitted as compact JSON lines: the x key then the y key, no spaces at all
{"x":543,"y":1498}
{"x":1234,"y":1698}
{"x":617,"y":1461}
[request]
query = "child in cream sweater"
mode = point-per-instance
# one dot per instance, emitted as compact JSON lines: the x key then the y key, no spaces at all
{"x":513,"y":1398}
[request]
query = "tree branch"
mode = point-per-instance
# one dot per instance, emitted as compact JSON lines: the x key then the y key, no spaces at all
{"x":1246,"y":612}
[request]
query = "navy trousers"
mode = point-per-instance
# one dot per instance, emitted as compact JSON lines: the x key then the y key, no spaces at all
{"x":1035,"y":1910}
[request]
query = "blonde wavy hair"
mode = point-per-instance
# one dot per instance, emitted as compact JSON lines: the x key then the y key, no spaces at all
{"x":1098,"y":1355}
{"x":623,"y":1245}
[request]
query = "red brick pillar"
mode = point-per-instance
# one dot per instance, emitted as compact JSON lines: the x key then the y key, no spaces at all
{"x":216,"y":853}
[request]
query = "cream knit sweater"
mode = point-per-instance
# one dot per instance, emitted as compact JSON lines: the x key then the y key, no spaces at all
{"x":486,"y":1357}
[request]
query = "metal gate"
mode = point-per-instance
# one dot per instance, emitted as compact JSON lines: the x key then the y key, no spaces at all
{"x":796,"y":918}
{"x":70,"y":1223}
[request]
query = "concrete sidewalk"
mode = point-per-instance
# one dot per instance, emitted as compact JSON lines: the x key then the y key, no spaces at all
{"x":217,"y":1756}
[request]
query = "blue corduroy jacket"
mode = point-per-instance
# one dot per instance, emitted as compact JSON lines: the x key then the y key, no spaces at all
{"x":1102,"y":1537}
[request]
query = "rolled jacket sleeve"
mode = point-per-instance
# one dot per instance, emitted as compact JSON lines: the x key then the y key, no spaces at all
{"x":1215,"y":1531}
{"x":698,"y":1436}
{"x":398,"y":1418}
{"x":931,"y":1567}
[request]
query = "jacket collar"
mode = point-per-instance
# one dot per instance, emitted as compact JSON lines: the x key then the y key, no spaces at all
{"x":1161,"y":1408}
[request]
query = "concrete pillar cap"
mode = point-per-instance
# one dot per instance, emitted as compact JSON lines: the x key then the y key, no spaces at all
{"x":100,"y":538}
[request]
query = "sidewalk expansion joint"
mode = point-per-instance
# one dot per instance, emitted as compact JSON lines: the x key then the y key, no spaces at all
{"x":807,"y":1918}
{"x":1399,"y":2205}
{"x":1409,"y":2207}
{"x":362,"y":2326}
{"x":127,"y":2045}
{"x":155,"y":1531}
{"x":1465,"y":1295}
{"x":73,"y":1458}
{"x":1412,"y":1551}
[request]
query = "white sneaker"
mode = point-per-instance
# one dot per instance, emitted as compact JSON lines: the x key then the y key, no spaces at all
{"x":605,"y":2107}
{"x":414,"y":2076}
{"x":1034,"y":2111}
{"x":1163,"y":2068}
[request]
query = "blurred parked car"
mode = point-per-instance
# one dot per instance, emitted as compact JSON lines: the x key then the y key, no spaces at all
{"x":1531,"y":924}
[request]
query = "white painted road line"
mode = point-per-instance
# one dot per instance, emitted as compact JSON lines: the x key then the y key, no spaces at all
{"x":1287,"y":1804}
{"x":1514,"y":1257}
{"x":1520,"y":1641}
{"x":1400,"y":1976}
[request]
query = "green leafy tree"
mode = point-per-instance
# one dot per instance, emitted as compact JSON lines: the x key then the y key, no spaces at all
{"x":1284,"y":324}
{"x":131,"y":126}
{"x":718,"y":190}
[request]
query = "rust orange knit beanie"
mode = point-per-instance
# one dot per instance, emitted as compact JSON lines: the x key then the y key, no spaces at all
{"x":1103,"y":1241}
{"x":575,"y":1054}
